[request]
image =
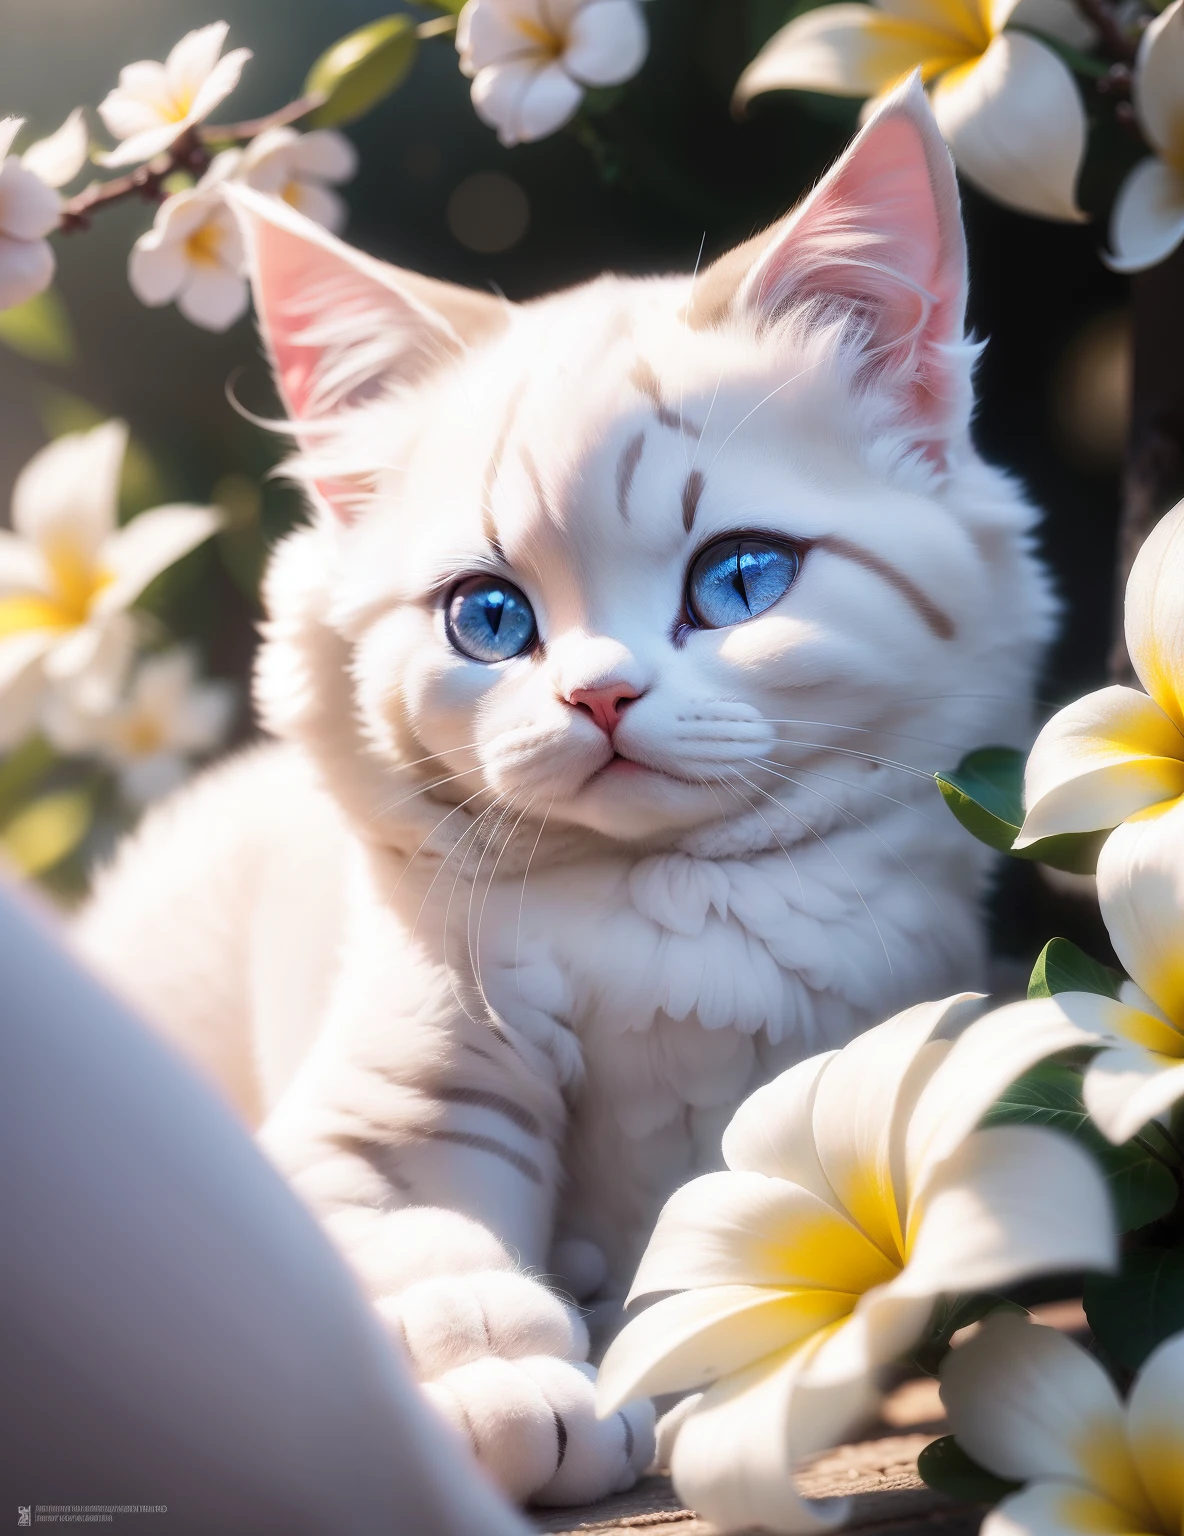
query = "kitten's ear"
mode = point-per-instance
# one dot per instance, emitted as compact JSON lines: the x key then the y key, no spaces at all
{"x":880,"y":236}
{"x":339,"y":325}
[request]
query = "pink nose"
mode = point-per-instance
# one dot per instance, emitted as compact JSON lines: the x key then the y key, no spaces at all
{"x":605,"y":705}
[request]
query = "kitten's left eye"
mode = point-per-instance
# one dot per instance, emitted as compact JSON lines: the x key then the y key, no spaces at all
{"x":489,"y":620}
{"x":737,"y":578}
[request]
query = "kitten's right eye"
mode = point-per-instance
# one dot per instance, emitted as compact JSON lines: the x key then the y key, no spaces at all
{"x":489,"y":620}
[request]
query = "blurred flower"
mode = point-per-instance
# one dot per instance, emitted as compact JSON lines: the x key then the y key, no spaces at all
{"x":193,"y":254}
{"x":1147,"y":223}
{"x":59,"y":158}
{"x":29,"y":210}
{"x":168,"y":717}
{"x":531,"y":60}
{"x":299,"y":167}
{"x":1117,"y":752}
{"x":154,"y":104}
{"x":68,"y":574}
{"x":1138,"y":1072}
{"x":859,"y":1192}
{"x":1005,"y":103}
{"x":1031,"y":1406}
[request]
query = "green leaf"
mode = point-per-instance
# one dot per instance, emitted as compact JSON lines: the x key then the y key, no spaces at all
{"x":20,"y":770}
{"x":986,"y":794}
{"x":39,"y":329}
{"x":1062,"y":967}
{"x":950,"y":1314}
{"x":1049,"y":1095}
{"x":1134,"y":1311}
{"x":452,"y":7}
{"x":945,"y":1466}
{"x":361,"y":69}
{"x":43,"y":833}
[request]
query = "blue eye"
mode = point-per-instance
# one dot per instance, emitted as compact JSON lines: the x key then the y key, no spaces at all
{"x":737,"y":578}
{"x":489,"y":620}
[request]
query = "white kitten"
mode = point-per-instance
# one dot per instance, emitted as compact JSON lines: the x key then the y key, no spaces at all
{"x":619,"y":614}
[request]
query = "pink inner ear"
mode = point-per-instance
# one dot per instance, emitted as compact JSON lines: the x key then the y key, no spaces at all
{"x":883,"y":232}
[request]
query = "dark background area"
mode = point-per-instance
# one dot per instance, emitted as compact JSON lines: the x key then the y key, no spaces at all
{"x":661,"y":170}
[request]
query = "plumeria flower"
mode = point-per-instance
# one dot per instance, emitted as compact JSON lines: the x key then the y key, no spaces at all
{"x":154,"y":104}
{"x":859,"y":1192}
{"x":193,"y":254}
{"x":1117,"y":752}
{"x":1031,"y":1406}
{"x":68,"y":573}
{"x":1138,"y":1071}
{"x":531,"y":61}
{"x":1147,"y":223}
{"x":30,"y":208}
{"x":169,"y":716}
{"x":300,"y":168}
{"x":1005,"y":103}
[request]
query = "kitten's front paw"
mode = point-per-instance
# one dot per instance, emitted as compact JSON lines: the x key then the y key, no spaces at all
{"x":532,"y":1425}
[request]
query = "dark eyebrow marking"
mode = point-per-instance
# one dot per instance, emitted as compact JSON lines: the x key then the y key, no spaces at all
{"x":492,"y":469}
{"x":645,"y":381}
{"x":626,"y":469}
{"x":936,"y":618}
{"x":482,"y":1098}
{"x":691,"y":492}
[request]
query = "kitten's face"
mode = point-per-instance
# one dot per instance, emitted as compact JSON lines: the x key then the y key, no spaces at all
{"x":636,"y":557}
{"x":603,"y":595}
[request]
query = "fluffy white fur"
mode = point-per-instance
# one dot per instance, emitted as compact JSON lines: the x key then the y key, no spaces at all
{"x":489,"y":998}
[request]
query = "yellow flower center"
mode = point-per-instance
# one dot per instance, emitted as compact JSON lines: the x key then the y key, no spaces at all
{"x":140,"y":736}
{"x":75,"y":584}
{"x":204,"y":245}
{"x":291,"y":194}
{"x":545,"y":40}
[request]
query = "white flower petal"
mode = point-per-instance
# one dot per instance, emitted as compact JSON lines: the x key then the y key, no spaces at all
{"x":1025,"y":1402}
{"x":26,"y":269}
{"x":29,"y":210}
{"x":1155,"y":614}
{"x":204,"y":717}
{"x":498,"y":92}
{"x":492,"y":34}
{"x":213,"y":298}
{"x":735,"y":1454}
{"x":22,"y":567}
{"x":1126,"y":1087}
{"x":1011,"y":1202}
{"x":319,"y":204}
{"x":687,"y":1342}
{"x":59,"y":158}
{"x":140,"y":101}
{"x":324,"y":155}
{"x":156,"y":270}
{"x":143,"y":146}
{"x":149,"y":544}
{"x":845,"y":49}
{"x":1057,"y":18}
{"x":606,"y":43}
{"x":1056,"y":1509}
{"x":773,"y":1130}
{"x":1098,"y":761}
{"x":1147,"y":220}
{"x":550,"y":99}
{"x":1016,"y":127}
{"x":1141,"y":893}
{"x":1155,"y":1420}
{"x":21,"y":683}
{"x":746,"y":1229}
{"x":67,"y":493}
{"x":222,"y":80}
{"x":9,"y":128}
{"x":153,"y":777}
{"x":985,"y":1060}
{"x":191,"y":60}
{"x":865,"y":1092}
{"x":1156,"y":88}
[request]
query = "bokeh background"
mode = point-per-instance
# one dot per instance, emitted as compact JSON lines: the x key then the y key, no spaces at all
{"x":663,"y":170}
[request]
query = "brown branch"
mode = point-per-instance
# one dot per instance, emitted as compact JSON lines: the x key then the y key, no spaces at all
{"x":217,"y":132}
{"x":1114,"y":40}
{"x":145,"y":182}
